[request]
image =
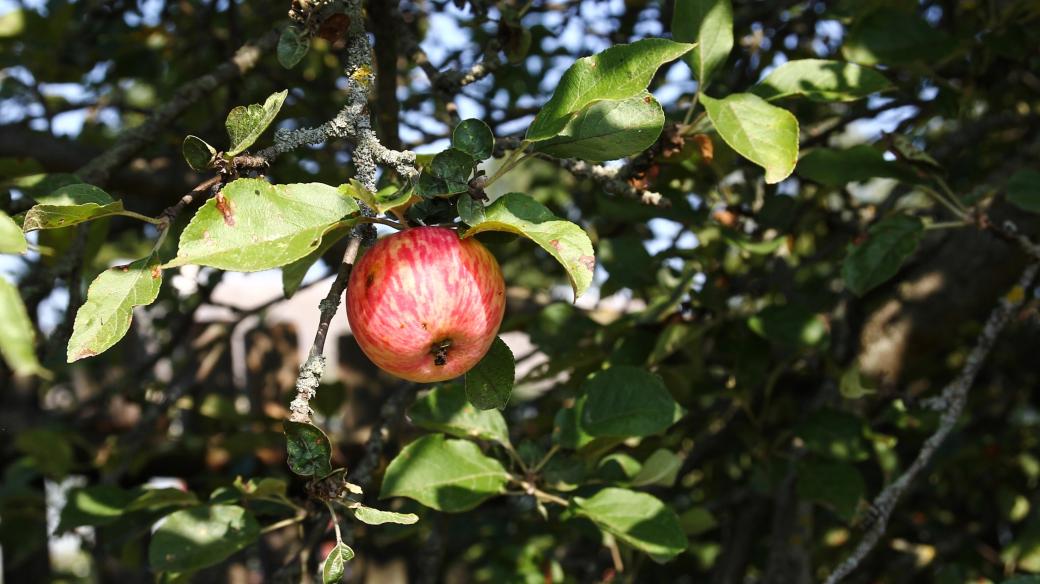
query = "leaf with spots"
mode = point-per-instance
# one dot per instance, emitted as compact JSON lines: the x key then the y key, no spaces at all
{"x":105,"y":317}
{"x":293,"y":274}
{"x":569,"y":244}
{"x":254,"y":225}
{"x":196,"y":538}
{"x":309,"y":449}
{"x":490,"y":382}
{"x":246,"y":123}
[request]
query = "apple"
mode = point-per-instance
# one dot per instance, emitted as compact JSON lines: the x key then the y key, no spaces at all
{"x":425,"y":305}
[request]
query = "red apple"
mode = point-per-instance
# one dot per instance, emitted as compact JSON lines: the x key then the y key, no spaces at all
{"x":424,"y":304}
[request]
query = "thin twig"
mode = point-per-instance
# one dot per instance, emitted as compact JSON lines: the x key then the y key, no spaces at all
{"x":133,"y":140}
{"x":951,"y":402}
{"x":611,"y":181}
{"x":313,"y":368}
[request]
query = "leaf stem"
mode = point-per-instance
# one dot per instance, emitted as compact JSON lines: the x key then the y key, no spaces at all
{"x":335,"y":522}
{"x":548,"y":455}
{"x":693,"y":107}
{"x":515,"y":456}
{"x":515,"y":157}
{"x":381,"y":221}
{"x":944,"y":225}
{"x":941,"y":199}
{"x":284,"y":523}
{"x":950,"y":194}
{"x":530,"y":489}
{"x":140,"y":217}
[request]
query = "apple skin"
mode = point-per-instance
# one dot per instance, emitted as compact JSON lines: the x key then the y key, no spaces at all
{"x":425,"y":305}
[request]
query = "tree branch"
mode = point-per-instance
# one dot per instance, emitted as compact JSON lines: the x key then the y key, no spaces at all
{"x":313,"y":368}
{"x":951,"y":402}
{"x":133,"y":140}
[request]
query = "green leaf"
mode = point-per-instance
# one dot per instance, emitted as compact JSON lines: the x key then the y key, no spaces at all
{"x":12,"y":240}
{"x":94,"y":505}
{"x":447,"y":409}
{"x":69,"y":204}
{"x":256,"y":226}
{"x":838,"y":485}
{"x":834,"y":434}
{"x":1023,"y":190}
{"x":377,"y":517}
{"x":764,"y":134}
{"x":490,"y":382}
{"x":627,"y":401}
{"x":835,"y":168}
{"x":292,"y":46}
{"x":749,"y":245}
{"x":58,"y":216}
{"x":1023,"y":580}
{"x":892,"y":36}
{"x":697,"y":520}
{"x":192,"y":539}
{"x":520,"y":214}
{"x":455,"y":167}
{"x":153,"y":499}
{"x":709,"y":23}
{"x":70,"y":193}
{"x":567,"y":431}
{"x":446,"y":475}
{"x":853,"y":385}
{"x":309,"y":450}
{"x":40,"y":186}
{"x":889,"y":243}
{"x":389,"y":197}
{"x":17,"y":337}
{"x":336,"y":563}
{"x":789,"y":325}
{"x":106,"y":315}
{"x":471,"y":211}
{"x":821,"y":80}
{"x":246,"y":123}
{"x":638,"y":519}
{"x":661,"y":468}
{"x":475,"y":138}
{"x":620,"y":72}
{"x":608,"y":129}
{"x":198,"y":153}
{"x":293,"y":274}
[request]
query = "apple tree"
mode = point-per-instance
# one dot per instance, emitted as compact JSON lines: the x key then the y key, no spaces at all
{"x":687,"y":290}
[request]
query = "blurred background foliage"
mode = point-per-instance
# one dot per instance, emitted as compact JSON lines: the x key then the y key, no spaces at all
{"x":802,"y":399}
